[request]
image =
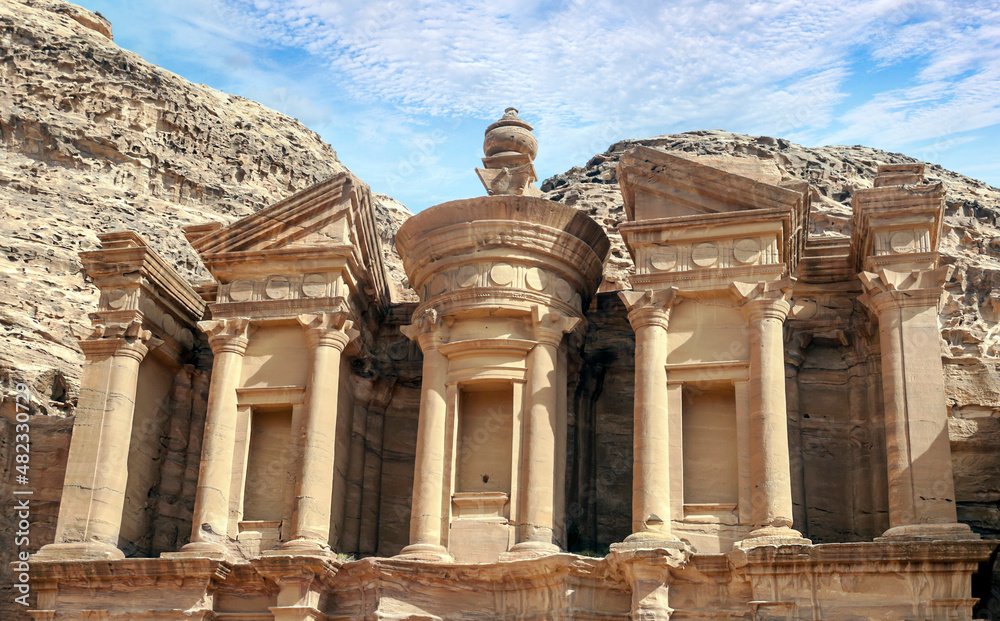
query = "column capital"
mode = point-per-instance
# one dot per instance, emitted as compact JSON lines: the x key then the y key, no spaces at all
{"x":227,"y":335}
{"x":549,"y":326}
{"x":888,"y":290}
{"x":332,"y":329}
{"x":429,"y":328}
{"x":126,"y":338}
{"x":764,"y":300}
{"x":796,"y":343}
{"x":650,"y":307}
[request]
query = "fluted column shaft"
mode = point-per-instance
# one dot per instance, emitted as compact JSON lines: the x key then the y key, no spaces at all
{"x":90,"y":512}
{"x":327,"y":336}
{"x":428,"y":476}
{"x":210,"y":524}
{"x":769,"y":463}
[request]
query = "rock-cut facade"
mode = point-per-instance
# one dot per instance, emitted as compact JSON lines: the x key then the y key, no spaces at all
{"x":331,"y":453}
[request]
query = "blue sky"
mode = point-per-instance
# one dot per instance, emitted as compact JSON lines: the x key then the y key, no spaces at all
{"x":403,"y":91}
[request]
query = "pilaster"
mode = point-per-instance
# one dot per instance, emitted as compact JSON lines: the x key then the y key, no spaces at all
{"x":918,"y":451}
{"x":90,"y":511}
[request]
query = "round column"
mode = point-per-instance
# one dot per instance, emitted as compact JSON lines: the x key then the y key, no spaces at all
{"x":536,"y":516}
{"x":769,"y":462}
{"x":210,"y":524}
{"x":428,"y":475}
{"x":327,"y":336}
{"x":651,"y":440}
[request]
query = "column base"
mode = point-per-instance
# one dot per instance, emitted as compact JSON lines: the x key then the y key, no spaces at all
{"x":296,"y":613}
{"x":645,"y":540}
{"x":928,"y":532}
{"x":90,"y":551}
{"x":309,"y":547}
{"x":529,"y":549}
{"x":201,"y":549}
{"x":430,"y":552}
{"x":772,"y":536}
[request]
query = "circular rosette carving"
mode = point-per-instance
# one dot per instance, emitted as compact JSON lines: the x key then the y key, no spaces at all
{"x":705,"y":254}
{"x":564,"y":291}
{"x":468,"y":276}
{"x":747,"y":251}
{"x":169,"y":325}
{"x":117,"y":298}
{"x":241,"y":291}
{"x":502,"y":274}
{"x":314,"y":285}
{"x":663,"y":258}
{"x":903,"y":242}
{"x":277,"y":288}
{"x":536,"y":279}
{"x":438,"y":285}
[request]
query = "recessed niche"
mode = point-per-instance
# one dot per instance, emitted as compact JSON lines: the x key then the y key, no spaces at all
{"x":709,"y":437}
{"x":267,"y":464}
{"x":485,"y":437}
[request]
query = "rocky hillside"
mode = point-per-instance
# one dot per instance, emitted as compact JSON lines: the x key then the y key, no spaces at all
{"x":94,"y":138}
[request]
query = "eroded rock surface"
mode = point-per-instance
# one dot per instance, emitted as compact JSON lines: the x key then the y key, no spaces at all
{"x":92,"y":139}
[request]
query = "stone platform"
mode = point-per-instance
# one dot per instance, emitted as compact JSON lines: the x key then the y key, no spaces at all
{"x":884,"y":580}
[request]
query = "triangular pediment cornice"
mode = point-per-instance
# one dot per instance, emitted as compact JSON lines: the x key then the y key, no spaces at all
{"x":330,"y":225}
{"x":280,"y":224}
{"x":679,"y":186}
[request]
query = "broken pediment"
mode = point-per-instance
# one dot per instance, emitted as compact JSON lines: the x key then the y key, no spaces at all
{"x":659,"y":185}
{"x":317,"y":214}
{"x":330,"y":225}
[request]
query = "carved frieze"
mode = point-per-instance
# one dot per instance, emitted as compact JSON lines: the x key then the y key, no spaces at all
{"x":503,"y":274}
{"x":281,"y":287}
{"x":901,"y":241}
{"x":712,"y":254}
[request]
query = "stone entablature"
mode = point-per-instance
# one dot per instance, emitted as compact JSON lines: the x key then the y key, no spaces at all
{"x":895,"y":224}
{"x":299,"y":255}
{"x":137,"y":285}
{"x":476,"y":257}
{"x":311,"y":414}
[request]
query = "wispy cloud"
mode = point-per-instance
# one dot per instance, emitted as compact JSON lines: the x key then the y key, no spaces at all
{"x":889,"y":73}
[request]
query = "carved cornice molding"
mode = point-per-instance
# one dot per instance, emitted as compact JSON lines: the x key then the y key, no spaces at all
{"x":429,"y":328}
{"x":764,"y":300}
{"x":122,"y":338}
{"x":889,"y":290}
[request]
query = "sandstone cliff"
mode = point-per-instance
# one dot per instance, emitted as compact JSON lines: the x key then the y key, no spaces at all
{"x":93,"y":138}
